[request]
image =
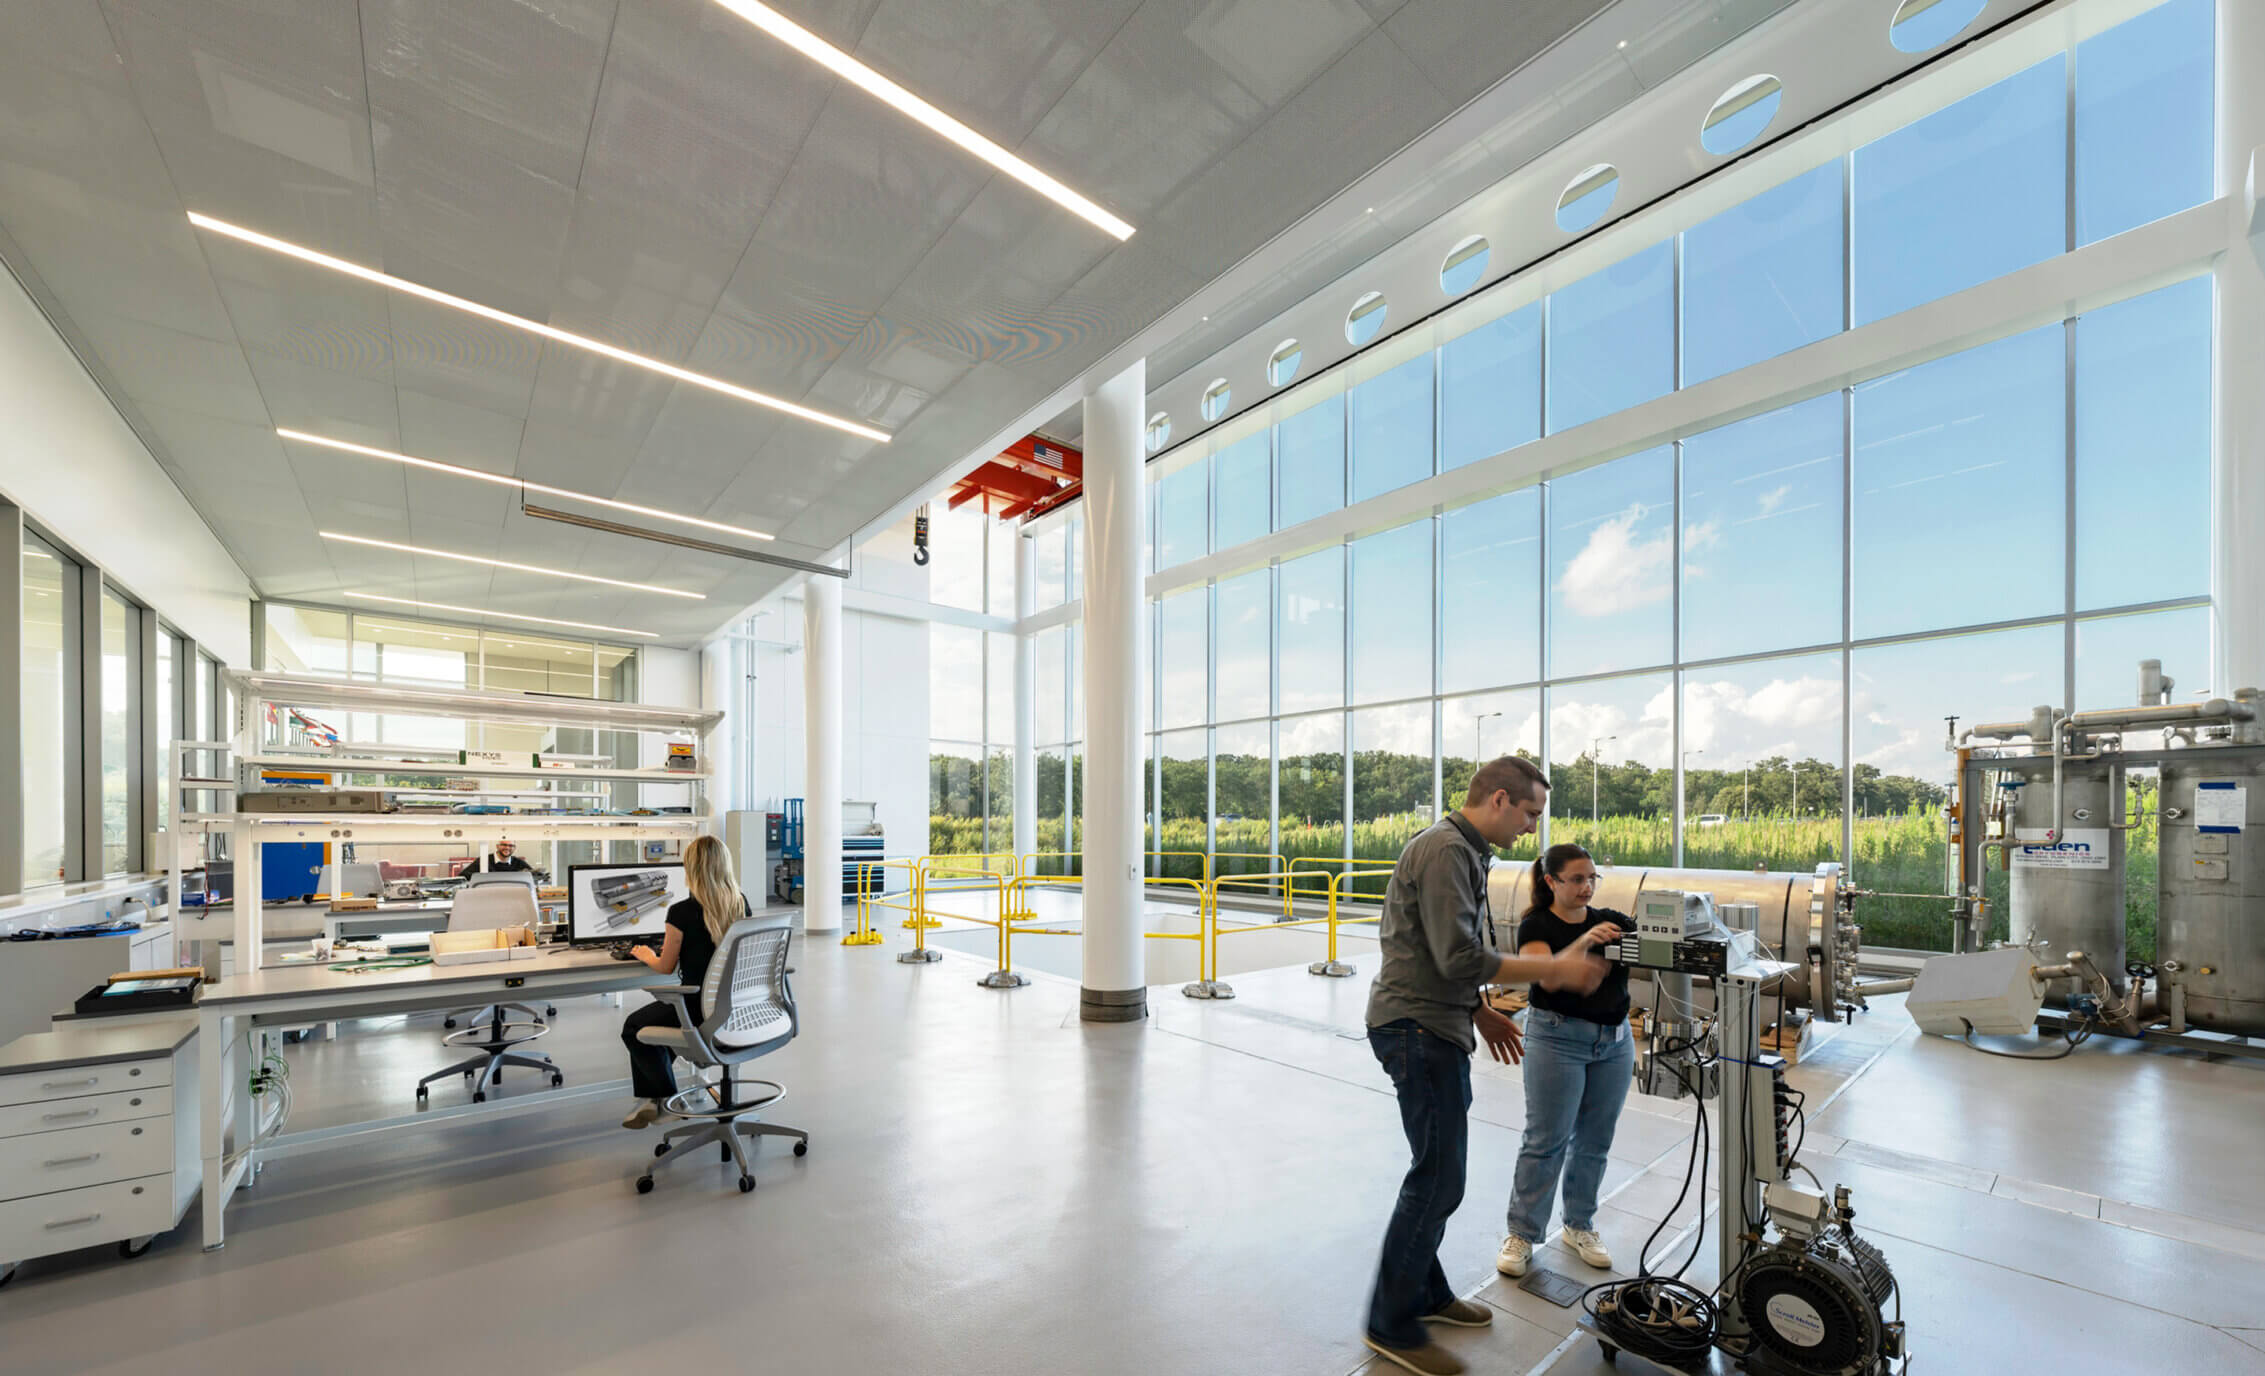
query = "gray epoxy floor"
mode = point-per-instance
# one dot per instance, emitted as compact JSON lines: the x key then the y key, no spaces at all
{"x":994,"y":1186}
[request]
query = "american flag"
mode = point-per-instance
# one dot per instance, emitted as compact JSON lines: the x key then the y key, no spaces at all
{"x":1047,"y":454}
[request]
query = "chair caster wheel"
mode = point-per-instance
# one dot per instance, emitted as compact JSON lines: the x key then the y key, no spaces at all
{"x":644,"y":1184}
{"x":747,"y":1184}
{"x":802,"y":1148}
{"x":557,"y":1080}
{"x":660,"y":1149}
{"x":549,"y":1011}
{"x":723,"y":1153}
{"x":479,"y":1096}
{"x":423,"y":1094}
{"x":129,"y":1249}
{"x":448,"y":1022}
{"x":467,"y":1074}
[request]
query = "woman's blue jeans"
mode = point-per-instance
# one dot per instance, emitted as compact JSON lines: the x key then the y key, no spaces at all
{"x":1577,"y":1075}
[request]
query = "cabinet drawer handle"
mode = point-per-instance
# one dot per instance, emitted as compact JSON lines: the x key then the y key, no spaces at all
{"x":72,"y":1084}
{"x":66,"y":1117}
{"x":74,"y":1222}
{"x":73,"y":1160}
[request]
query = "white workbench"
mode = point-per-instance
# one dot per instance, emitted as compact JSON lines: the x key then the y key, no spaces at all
{"x":302,"y":994}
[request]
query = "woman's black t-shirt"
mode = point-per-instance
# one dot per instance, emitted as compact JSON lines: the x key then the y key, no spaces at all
{"x":697,"y":947}
{"x":1609,"y":1003}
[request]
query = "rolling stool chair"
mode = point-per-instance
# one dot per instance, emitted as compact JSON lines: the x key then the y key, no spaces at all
{"x":480,"y":1015}
{"x":750,"y":1013}
{"x":494,"y":1034}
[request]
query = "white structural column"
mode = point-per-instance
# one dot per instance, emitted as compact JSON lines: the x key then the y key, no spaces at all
{"x":2239,"y":582}
{"x":1115,"y":972}
{"x":1026,"y":694}
{"x":822,"y":745}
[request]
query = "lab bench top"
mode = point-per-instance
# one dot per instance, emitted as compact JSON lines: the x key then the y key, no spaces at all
{"x":94,"y":1043}
{"x":284,"y":982}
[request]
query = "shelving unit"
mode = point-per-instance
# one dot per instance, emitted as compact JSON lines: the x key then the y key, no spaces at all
{"x":257,"y":692}
{"x":203,"y":783}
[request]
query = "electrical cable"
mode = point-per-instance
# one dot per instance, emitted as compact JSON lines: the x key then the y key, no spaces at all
{"x":2070,"y":1041}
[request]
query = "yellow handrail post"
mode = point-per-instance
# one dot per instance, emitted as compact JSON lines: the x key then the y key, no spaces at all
{"x":1207,"y":984}
{"x":871,"y":875}
{"x":1005,"y":976}
{"x":918,"y":918}
{"x":1333,"y":967}
{"x":919,"y":954}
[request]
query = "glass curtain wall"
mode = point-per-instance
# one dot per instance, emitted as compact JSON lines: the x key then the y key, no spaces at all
{"x":121,"y":657}
{"x":1739,"y":647}
{"x":50,"y":693}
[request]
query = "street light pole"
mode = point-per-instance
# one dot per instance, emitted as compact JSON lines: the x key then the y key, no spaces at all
{"x":1594,"y":742}
{"x":1478,"y":738}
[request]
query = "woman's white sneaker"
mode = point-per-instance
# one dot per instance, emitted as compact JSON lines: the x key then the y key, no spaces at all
{"x":1590,"y":1246}
{"x":1517,"y":1254}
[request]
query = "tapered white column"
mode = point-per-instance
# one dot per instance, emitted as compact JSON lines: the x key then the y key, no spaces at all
{"x":822,"y":746}
{"x":1026,"y":695}
{"x":2239,"y":581}
{"x":1115,"y":971}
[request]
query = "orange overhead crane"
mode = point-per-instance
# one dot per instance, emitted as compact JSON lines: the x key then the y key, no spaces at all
{"x":1027,"y":478}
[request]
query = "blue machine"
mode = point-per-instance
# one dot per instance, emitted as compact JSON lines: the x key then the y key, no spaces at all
{"x":786,"y":880}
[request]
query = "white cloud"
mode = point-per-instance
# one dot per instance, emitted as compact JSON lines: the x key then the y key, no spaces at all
{"x":1616,"y":571}
{"x":1735,"y":723}
{"x":1775,"y":498}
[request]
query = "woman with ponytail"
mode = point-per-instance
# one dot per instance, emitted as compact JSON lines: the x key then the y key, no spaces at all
{"x":695,"y":928}
{"x":1579,"y":1057}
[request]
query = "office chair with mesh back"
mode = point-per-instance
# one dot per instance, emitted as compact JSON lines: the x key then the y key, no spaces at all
{"x":750,"y":1013}
{"x":525,"y":880}
{"x":494,"y":1034}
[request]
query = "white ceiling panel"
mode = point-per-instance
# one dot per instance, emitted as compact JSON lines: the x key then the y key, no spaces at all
{"x":660,"y":175}
{"x":451,"y":432}
{"x":449,"y":353}
{"x":998,"y":65}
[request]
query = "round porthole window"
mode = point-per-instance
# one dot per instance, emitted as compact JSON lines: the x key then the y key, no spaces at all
{"x":1587,"y":197}
{"x":1215,"y":399}
{"x":1465,"y":265}
{"x":1922,"y":25}
{"x":1739,"y":118}
{"x":1159,"y":431}
{"x":1282,"y":364}
{"x":1364,"y":319}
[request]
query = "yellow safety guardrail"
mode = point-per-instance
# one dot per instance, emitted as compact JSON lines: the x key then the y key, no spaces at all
{"x":872,"y":897}
{"x":1332,"y":919}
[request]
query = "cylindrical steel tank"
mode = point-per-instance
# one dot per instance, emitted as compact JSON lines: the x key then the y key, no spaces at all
{"x":2068,"y":895}
{"x":2211,"y":916}
{"x":1800,"y":914}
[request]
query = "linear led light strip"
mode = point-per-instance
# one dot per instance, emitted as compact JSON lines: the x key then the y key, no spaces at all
{"x":507,"y":564}
{"x":857,"y":74}
{"x":506,"y":480}
{"x":507,"y":616}
{"x":551,"y":332}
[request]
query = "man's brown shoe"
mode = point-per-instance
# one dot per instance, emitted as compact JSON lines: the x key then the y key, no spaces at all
{"x":1462,"y":1314}
{"x":1429,"y":1360}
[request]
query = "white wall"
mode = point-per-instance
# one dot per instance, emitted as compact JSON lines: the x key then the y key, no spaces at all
{"x":68,"y":459}
{"x":884,"y":720}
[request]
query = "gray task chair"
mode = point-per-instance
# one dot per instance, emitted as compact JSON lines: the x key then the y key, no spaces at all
{"x":750,"y":1013}
{"x":493,"y":914}
{"x":494,"y":1033}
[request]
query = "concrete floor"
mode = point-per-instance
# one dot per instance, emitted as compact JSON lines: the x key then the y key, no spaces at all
{"x":993,"y":1186}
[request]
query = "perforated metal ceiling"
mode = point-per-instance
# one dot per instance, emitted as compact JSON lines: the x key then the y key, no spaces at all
{"x":659,"y":175}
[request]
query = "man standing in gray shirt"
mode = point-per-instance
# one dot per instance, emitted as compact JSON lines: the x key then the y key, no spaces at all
{"x":1422,"y":1010}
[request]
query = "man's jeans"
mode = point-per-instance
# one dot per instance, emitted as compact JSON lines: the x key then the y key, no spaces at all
{"x":1432,"y":1077}
{"x":1577,"y":1074}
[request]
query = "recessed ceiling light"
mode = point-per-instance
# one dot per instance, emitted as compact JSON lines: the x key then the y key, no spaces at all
{"x":1623,"y":42}
{"x":551,"y":332}
{"x":1372,"y":210}
{"x":507,"y":616}
{"x":507,"y":564}
{"x":857,"y":74}
{"x":506,"y":480}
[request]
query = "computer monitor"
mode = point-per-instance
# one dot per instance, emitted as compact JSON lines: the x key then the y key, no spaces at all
{"x":608,"y":903}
